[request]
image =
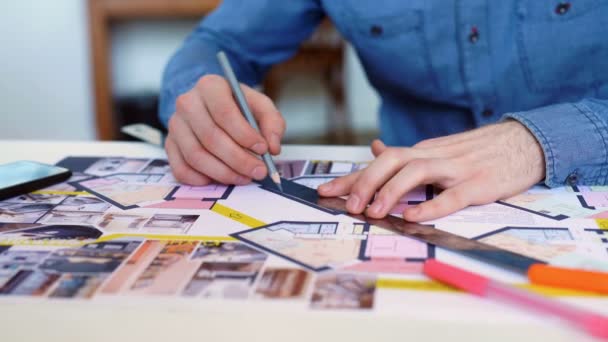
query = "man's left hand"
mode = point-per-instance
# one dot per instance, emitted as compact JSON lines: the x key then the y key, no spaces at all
{"x":476,"y":167}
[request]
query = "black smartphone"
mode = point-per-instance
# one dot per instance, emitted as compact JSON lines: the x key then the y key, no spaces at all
{"x":24,"y":176}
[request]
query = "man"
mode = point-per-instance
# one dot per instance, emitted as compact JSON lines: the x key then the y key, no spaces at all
{"x":534,"y":74}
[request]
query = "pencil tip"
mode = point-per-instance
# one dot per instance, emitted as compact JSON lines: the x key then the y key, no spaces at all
{"x":277,"y":180}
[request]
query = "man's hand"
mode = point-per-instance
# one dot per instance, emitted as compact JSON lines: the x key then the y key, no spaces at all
{"x":210,"y":140}
{"x":475,"y":167}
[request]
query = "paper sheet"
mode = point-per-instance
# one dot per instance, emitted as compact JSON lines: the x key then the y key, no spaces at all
{"x":125,"y":228}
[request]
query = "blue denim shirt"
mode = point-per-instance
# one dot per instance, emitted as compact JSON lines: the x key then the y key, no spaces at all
{"x":440,"y":66}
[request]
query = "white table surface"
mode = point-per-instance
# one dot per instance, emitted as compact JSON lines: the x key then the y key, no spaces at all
{"x":179,"y":320}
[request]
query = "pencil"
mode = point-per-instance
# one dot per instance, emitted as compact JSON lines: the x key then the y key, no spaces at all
{"x":240,"y":99}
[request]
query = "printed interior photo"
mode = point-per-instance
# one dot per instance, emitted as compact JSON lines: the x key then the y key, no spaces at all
{"x":343,"y":291}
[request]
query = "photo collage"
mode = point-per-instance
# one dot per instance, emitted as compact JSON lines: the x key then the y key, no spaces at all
{"x":184,"y":268}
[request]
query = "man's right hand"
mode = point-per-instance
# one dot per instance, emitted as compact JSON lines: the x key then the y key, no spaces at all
{"x":210,"y":140}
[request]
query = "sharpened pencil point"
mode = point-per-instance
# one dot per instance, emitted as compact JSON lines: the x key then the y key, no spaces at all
{"x":277,"y":180}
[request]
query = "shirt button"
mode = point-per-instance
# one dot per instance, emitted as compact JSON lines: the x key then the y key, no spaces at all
{"x":487,"y":112}
{"x":572,"y":179}
{"x":474,"y":35}
{"x":376,"y":30}
{"x":562,"y":8}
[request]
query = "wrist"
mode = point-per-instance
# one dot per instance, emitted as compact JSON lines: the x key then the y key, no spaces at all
{"x":528,"y":148}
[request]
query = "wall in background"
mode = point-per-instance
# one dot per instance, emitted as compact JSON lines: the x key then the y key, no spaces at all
{"x":45,"y":87}
{"x":141,"y":50}
{"x":45,"y":90}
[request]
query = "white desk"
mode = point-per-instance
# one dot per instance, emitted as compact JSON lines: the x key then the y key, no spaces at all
{"x":177,"y":320}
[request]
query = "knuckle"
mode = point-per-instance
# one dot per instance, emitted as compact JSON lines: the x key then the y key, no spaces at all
{"x":242,"y":162}
{"x":171,"y":126}
{"x":282,"y":123}
{"x":185,"y":103}
{"x":394,"y":155}
{"x":223,"y":111}
{"x":360,"y":186}
{"x":419,"y":164}
{"x":210,"y":138}
{"x":387,"y":193}
{"x":459,"y":198}
{"x":207,"y":81}
{"x":194,"y":157}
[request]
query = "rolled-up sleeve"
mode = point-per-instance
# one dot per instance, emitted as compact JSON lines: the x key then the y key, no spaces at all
{"x":255,"y":34}
{"x":574,"y":139}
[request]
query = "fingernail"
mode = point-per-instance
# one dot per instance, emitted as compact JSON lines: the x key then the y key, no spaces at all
{"x":258,"y":173}
{"x":376,"y":207}
{"x":325,"y":187}
{"x":353,"y":203}
{"x":258,"y":148}
{"x":415,"y":211}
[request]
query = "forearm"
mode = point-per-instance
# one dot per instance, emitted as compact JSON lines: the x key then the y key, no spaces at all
{"x":255,"y":34}
{"x":574,"y":139}
{"x":192,"y":61}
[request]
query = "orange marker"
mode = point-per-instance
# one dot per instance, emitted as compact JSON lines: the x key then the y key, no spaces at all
{"x":583,"y":280}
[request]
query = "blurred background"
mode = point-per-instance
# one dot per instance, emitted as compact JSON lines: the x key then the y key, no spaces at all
{"x":80,"y":69}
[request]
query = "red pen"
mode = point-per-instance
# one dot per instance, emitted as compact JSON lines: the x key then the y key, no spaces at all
{"x":595,"y":324}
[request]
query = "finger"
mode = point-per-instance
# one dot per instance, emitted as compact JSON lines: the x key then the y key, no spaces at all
{"x":220,"y":103}
{"x":270,"y":120}
{"x":417,"y":172}
{"x":201,"y":160}
{"x":217,"y":142}
{"x":378,"y":147}
{"x":450,"y":201}
{"x":375,"y":175}
{"x":180,"y":169}
{"x":339,"y":186}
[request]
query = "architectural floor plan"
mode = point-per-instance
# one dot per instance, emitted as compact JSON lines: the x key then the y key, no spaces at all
{"x":123,"y":227}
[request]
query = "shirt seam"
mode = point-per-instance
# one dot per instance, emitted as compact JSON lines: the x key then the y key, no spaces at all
{"x":587,"y":112}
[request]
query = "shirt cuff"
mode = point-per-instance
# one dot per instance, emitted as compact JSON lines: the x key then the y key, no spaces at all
{"x":573,"y":138}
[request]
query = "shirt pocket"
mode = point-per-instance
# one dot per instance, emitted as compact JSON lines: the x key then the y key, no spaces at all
{"x":564,"y":45}
{"x":391,"y":45}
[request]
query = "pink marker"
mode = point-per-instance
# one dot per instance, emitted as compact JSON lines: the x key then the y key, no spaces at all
{"x":595,"y":324}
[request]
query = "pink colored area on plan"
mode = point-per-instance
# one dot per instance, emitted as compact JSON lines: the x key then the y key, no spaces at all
{"x":596,"y":199}
{"x":381,"y":265}
{"x":183,"y":204}
{"x":602,"y":215}
{"x":200,"y":192}
{"x":395,"y":247}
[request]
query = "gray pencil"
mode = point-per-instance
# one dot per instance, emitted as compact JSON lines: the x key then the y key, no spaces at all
{"x":240,"y":99}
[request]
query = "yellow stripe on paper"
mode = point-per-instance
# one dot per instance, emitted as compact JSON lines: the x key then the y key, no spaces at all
{"x":237,"y":216}
{"x":43,"y":242}
{"x":163,"y":237}
{"x":602,"y":223}
{"x":414,"y":285}
{"x":558,"y":292}
{"x":58,"y":192}
{"x":433,"y":286}
{"x":111,"y":237}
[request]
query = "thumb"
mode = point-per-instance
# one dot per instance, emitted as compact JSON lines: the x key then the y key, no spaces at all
{"x":270,"y":120}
